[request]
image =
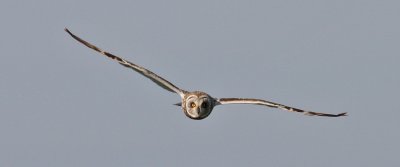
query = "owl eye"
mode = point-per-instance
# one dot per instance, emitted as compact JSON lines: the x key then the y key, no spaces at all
{"x":193,"y":105}
{"x":204,"y":105}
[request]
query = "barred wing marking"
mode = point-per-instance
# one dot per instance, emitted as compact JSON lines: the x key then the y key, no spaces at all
{"x":147,"y":73}
{"x":274,"y":105}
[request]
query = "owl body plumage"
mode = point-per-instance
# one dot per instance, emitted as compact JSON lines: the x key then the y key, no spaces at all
{"x":196,"y":105}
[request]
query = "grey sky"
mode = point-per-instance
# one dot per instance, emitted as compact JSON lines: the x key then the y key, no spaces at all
{"x":64,"y":105}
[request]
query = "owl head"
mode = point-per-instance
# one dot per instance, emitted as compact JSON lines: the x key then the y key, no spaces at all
{"x":197,"y":105}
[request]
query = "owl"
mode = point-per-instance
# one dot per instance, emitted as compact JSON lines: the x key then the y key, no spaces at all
{"x":196,"y":105}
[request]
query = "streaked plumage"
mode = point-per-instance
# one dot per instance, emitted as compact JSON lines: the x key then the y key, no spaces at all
{"x":196,"y":105}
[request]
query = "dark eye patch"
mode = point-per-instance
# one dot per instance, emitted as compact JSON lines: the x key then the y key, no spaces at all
{"x":204,"y":105}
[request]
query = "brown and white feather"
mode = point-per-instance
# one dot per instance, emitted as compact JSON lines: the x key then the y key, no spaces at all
{"x":273,"y":105}
{"x":145,"y":72}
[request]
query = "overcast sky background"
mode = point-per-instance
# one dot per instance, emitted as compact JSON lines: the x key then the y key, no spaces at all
{"x":62,"y":104}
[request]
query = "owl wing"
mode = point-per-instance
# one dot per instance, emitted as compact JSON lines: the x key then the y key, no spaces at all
{"x":147,"y":73}
{"x":273,"y":105}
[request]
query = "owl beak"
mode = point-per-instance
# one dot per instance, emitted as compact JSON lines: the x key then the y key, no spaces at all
{"x":178,"y":104}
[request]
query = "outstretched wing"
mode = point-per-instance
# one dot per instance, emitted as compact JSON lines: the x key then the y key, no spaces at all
{"x":147,"y":73}
{"x":273,"y":105}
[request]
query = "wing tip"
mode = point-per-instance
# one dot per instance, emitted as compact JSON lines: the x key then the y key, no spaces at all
{"x":309,"y":113}
{"x":66,"y":30}
{"x":70,"y":33}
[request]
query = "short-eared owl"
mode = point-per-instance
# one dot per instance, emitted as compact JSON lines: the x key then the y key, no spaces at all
{"x":196,"y":105}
